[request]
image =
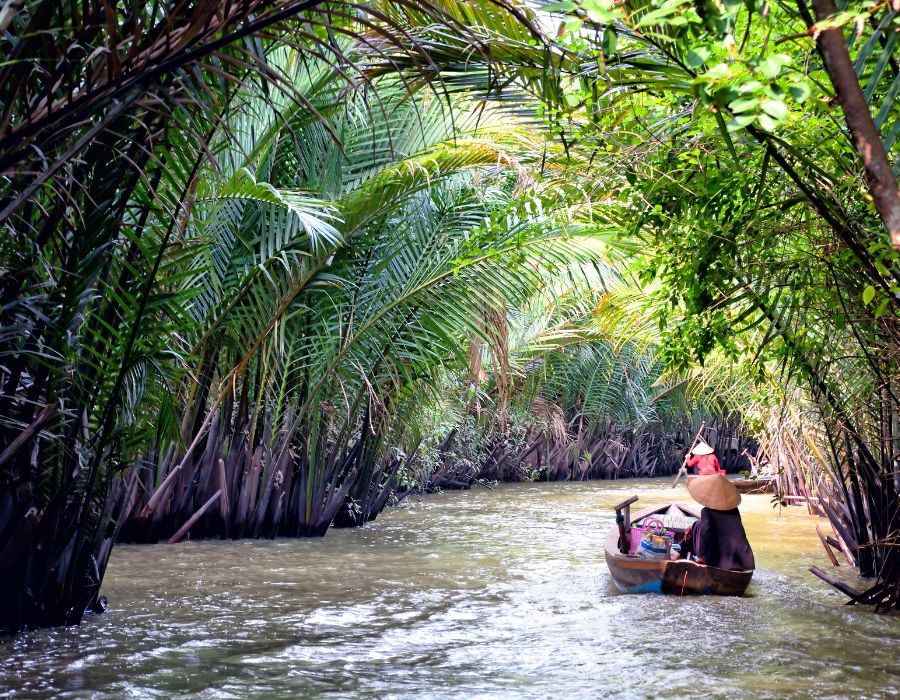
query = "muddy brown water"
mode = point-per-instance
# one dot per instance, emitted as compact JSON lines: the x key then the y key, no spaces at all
{"x":483,"y":593}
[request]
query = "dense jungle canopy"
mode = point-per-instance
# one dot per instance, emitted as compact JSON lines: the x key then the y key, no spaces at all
{"x":268,"y":265}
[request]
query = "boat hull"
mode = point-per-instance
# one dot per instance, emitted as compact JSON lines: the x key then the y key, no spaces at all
{"x":764,"y":485}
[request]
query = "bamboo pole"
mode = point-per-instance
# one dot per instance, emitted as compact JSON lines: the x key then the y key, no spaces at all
{"x":683,"y":469}
{"x":839,"y":585}
{"x":183,"y":530}
{"x":834,"y":561}
{"x":163,"y":488}
{"x":223,"y":487}
{"x":842,"y":542}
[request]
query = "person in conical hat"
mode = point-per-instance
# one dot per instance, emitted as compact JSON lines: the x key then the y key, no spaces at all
{"x":718,"y":538}
{"x":703,"y":457}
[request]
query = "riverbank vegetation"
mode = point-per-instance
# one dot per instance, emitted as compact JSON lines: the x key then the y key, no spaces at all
{"x":269,"y":265}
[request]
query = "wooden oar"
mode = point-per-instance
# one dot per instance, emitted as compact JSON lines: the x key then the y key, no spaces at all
{"x":683,"y":469}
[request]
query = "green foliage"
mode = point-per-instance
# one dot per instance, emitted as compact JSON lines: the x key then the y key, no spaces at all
{"x":307,"y":224}
{"x":763,"y":244}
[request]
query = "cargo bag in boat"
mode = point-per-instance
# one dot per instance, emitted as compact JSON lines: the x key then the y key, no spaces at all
{"x":655,"y":541}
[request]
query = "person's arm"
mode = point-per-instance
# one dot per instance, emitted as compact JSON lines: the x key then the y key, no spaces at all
{"x":718,"y":466}
{"x":693,"y":462}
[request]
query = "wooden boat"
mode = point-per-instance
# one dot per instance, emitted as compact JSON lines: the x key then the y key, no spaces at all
{"x":632,"y":574}
{"x":762,"y":484}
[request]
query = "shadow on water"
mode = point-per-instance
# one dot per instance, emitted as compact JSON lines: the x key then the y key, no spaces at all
{"x":480,"y":593}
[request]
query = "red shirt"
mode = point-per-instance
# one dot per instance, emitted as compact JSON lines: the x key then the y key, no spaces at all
{"x":706,"y":464}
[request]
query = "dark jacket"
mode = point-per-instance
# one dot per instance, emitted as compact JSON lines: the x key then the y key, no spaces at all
{"x":720,"y":539}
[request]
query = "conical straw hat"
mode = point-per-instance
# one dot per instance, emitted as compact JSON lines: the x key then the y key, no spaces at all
{"x":701,"y":448}
{"x":714,"y":491}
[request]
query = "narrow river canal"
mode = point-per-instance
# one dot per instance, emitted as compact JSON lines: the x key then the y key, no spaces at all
{"x":499,"y":593}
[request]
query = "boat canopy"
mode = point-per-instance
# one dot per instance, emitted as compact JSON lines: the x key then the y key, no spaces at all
{"x":674,"y":517}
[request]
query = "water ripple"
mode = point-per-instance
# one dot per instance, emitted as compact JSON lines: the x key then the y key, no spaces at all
{"x":475,"y":594}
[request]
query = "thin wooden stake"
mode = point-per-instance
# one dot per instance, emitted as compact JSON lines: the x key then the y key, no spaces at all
{"x":183,"y":530}
{"x":834,"y":583}
{"x":834,"y":561}
{"x":848,"y":555}
{"x":223,"y":487}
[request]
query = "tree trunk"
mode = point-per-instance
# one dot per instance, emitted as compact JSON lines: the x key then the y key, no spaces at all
{"x":866,"y":139}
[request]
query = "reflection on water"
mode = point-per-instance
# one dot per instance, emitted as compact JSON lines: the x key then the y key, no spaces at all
{"x":483,"y":593}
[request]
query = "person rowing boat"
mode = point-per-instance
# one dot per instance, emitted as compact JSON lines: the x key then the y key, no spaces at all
{"x":704,"y":458}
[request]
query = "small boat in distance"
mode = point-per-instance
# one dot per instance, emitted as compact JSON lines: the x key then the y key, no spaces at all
{"x":633,"y":574}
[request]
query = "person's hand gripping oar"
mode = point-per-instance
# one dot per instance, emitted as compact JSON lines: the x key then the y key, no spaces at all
{"x":683,"y":469}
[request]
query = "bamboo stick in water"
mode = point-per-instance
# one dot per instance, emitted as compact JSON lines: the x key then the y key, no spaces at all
{"x":183,"y":530}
